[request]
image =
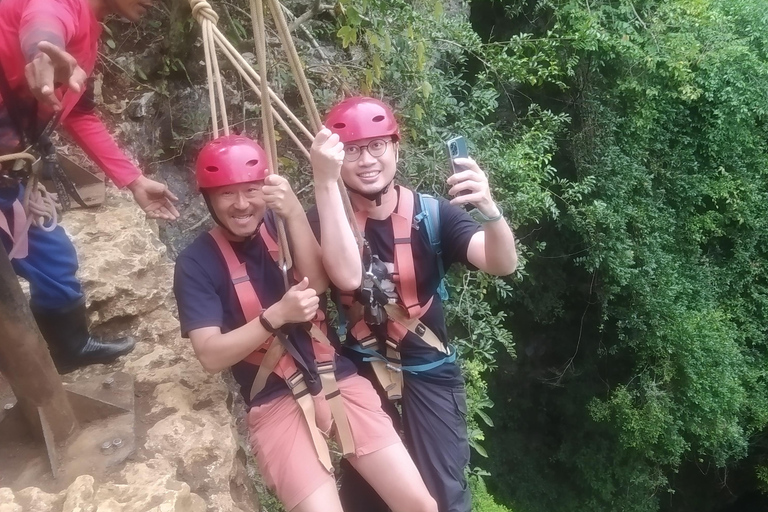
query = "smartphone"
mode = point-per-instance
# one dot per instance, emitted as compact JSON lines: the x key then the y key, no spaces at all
{"x":456,"y":148}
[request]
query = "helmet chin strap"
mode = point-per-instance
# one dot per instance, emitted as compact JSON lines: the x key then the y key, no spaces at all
{"x":221,"y":224}
{"x":373,"y":196}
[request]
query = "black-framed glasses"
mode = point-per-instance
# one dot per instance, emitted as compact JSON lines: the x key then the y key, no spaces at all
{"x":376,"y":148}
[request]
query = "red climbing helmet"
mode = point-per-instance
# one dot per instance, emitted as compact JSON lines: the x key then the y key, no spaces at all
{"x":362,"y":117}
{"x":229,"y":160}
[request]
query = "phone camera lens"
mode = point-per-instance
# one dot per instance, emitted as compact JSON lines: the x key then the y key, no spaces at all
{"x":454,"y":149}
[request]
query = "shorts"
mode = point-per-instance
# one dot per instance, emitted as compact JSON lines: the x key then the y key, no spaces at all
{"x":281,"y":442}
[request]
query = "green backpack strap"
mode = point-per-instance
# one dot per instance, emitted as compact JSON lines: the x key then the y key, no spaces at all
{"x":430,"y":214}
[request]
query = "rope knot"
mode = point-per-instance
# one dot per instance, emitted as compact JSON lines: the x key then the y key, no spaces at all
{"x":202,"y":10}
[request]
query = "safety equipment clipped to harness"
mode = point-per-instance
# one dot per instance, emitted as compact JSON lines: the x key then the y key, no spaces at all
{"x":277,"y":355}
{"x":402,"y":318}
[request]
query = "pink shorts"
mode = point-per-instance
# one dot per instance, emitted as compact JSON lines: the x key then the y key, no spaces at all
{"x":280,"y":438}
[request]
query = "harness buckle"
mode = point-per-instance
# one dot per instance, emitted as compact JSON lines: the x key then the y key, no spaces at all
{"x":368,"y":342}
{"x":326,"y":367}
{"x":394,"y":368}
{"x":393,"y":344}
{"x":295,"y":380}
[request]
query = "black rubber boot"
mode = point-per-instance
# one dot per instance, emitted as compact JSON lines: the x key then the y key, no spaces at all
{"x":71,"y":346}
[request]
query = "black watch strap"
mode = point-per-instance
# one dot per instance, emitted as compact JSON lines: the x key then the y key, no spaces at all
{"x":265,"y":323}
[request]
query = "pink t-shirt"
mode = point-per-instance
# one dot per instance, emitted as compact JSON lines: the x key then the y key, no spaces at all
{"x":73,"y":25}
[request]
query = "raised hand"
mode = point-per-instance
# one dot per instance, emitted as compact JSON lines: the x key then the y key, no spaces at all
{"x":298,"y":305}
{"x":52,"y":66}
{"x":471,"y":186}
{"x":279,"y":196}
{"x":326,"y":156}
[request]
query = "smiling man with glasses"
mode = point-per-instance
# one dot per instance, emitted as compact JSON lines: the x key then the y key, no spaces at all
{"x":395,"y":325}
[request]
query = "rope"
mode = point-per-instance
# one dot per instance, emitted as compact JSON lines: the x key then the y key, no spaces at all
{"x":297,"y":68}
{"x":208,"y":19}
{"x":268,"y":129}
{"x":212,"y":36}
{"x":39,"y":206}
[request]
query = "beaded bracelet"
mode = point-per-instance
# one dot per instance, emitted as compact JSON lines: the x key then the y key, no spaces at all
{"x":483,"y":218}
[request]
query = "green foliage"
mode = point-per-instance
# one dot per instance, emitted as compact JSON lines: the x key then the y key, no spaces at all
{"x":623,"y":367}
{"x":482,"y":501}
{"x":629,"y":142}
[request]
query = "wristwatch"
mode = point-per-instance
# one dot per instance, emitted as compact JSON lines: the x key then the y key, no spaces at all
{"x":483,"y":218}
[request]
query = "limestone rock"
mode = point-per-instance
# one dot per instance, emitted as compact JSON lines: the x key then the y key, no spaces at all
{"x":187,"y":452}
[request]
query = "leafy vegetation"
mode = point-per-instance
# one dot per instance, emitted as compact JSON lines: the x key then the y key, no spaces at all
{"x":628,"y":142}
{"x":623,"y":367}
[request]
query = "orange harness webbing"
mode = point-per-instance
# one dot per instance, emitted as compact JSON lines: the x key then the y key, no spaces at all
{"x":272,"y":356}
{"x":403,"y":317}
{"x":16,"y":234}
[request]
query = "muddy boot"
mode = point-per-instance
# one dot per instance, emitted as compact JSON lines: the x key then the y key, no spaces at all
{"x":71,"y":346}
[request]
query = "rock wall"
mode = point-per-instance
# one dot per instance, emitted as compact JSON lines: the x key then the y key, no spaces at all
{"x":188,"y":456}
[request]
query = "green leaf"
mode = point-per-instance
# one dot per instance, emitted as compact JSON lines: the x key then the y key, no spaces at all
{"x":347,"y":35}
{"x":426,"y":89}
{"x":487,"y":419}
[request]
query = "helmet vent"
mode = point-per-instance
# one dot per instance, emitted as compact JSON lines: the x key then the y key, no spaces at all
{"x":212,"y":168}
{"x":339,"y":126}
{"x":252,"y":163}
{"x":378,"y":119}
{"x":215,"y":142}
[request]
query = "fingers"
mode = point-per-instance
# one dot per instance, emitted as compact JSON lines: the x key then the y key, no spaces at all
{"x":171,"y":210}
{"x":40,"y":76}
{"x":273,"y":180}
{"x":323,"y":136}
{"x":78,"y":79}
{"x":164,"y":210}
{"x":57,"y":55}
{"x":301,"y":285}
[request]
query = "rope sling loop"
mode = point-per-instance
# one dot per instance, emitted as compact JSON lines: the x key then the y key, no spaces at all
{"x":212,"y":36}
{"x":38,"y":206}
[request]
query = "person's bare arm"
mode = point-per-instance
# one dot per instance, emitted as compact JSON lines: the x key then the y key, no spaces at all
{"x":493,"y":248}
{"x":341,"y":256}
{"x":217,"y":351}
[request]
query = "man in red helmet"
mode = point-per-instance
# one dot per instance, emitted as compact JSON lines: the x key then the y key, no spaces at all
{"x":48,"y":48}
{"x":395,"y":323}
{"x":234,"y":307}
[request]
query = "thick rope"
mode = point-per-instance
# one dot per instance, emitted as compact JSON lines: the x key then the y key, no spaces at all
{"x":297,"y":68}
{"x":268,"y":128}
{"x":212,"y":36}
{"x":39,"y":206}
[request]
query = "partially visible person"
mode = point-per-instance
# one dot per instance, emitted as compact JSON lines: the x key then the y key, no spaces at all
{"x":395,"y":323}
{"x":235,"y":308}
{"x":48,"y":49}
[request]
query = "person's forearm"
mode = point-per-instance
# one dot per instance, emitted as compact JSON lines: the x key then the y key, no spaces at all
{"x":341,"y":255}
{"x":220,"y":351}
{"x":37,"y":26}
{"x":91,"y":135}
{"x":500,"y":249}
{"x":306,"y":252}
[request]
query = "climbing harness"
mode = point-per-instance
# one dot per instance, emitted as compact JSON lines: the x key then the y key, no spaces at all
{"x":278,"y":356}
{"x":400,"y":318}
